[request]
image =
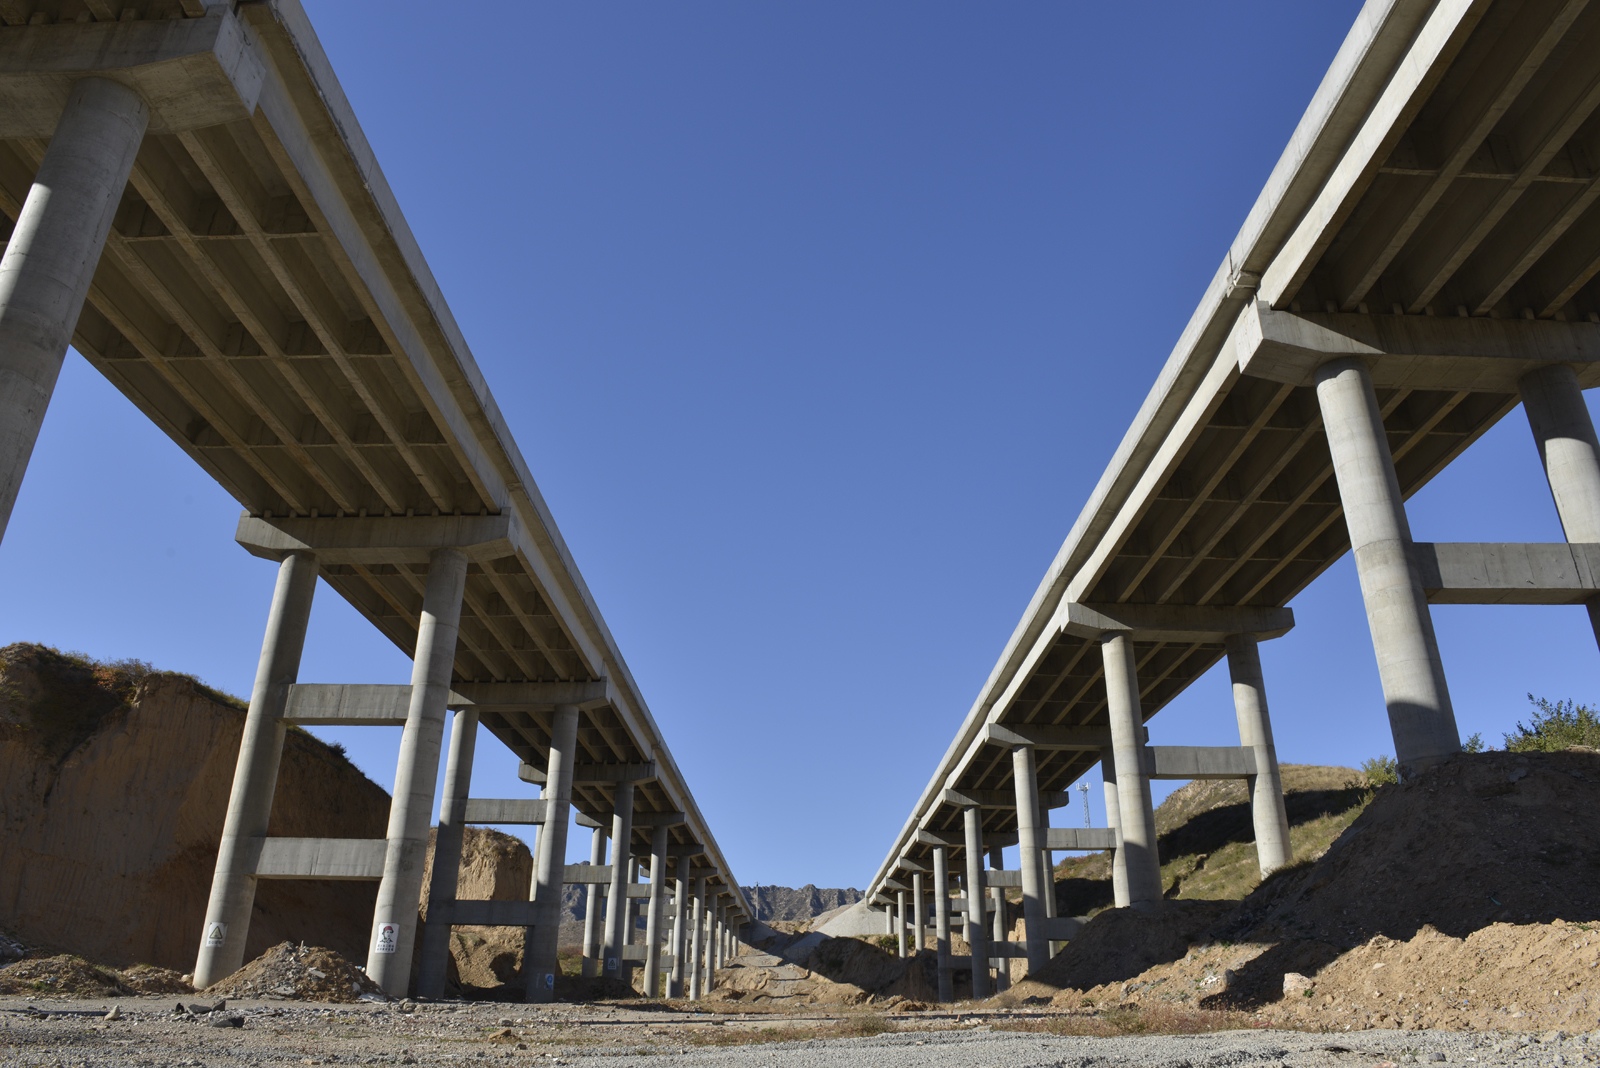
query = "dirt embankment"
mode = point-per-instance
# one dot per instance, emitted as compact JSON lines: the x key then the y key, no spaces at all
{"x":1467,"y":897}
{"x":113,"y":785}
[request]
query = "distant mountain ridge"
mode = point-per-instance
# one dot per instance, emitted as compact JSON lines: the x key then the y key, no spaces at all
{"x":786,"y":903}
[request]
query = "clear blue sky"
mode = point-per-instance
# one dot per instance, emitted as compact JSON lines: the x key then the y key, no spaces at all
{"x":816,"y":323}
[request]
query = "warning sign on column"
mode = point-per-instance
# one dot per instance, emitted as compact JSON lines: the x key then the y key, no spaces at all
{"x":388,"y":936}
{"x":216,"y":933}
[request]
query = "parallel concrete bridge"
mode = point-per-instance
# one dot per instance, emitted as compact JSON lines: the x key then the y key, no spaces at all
{"x":189,"y":200}
{"x":1422,"y":260}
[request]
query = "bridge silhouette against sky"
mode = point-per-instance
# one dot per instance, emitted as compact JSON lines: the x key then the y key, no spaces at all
{"x":190,"y":202}
{"x":1421,"y":261}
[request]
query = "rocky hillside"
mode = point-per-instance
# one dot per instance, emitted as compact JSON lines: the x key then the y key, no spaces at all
{"x":786,"y":903}
{"x":114,"y":780}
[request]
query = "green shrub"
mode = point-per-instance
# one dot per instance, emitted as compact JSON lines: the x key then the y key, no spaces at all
{"x":1380,"y":770}
{"x":1555,"y":725}
{"x":1473,"y":744}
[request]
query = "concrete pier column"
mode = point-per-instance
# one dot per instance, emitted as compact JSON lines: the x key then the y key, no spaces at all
{"x":416,"y":774}
{"x":1030,"y":847}
{"x":680,"y":929}
{"x":539,"y":961}
{"x":1135,"y":812}
{"x":51,"y":258}
{"x":1420,"y":714}
{"x":617,"y":905}
{"x":718,"y":928}
{"x":919,"y":913}
{"x":941,"y":921}
{"x":977,"y":935}
{"x":657,"y":913}
{"x":255,"y":776}
{"x":630,"y":934}
{"x":432,"y":969}
{"x":1047,"y":867}
{"x":900,"y":920}
{"x":593,"y":906}
{"x":1002,"y":928}
{"x":1267,"y":810}
{"x":1119,"y":859}
{"x":697,"y":932}
{"x":1570,"y":453}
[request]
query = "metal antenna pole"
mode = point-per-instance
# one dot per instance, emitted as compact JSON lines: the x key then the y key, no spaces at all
{"x":1083,"y":788}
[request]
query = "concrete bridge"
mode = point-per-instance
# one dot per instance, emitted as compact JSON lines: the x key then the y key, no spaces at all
{"x":189,"y":200}
{"x":1421,"y":261}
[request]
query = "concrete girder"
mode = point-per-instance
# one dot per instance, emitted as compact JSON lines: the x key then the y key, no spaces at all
{"x":1472,"y":354}
{"x":1172,"y":622}
{"x":194,"y":72}
{"x":1501,"y":573}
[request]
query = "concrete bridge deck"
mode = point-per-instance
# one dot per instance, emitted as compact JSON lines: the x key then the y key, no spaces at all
{"x":1434,"y":218}
{"x":261,"y":298}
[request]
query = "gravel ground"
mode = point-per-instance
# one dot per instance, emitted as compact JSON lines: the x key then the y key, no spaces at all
{"x":150,"y":1033}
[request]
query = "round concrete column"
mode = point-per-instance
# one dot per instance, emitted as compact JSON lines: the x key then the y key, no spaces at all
{"x":1002,"y":928}
{"x":394,"y":921}
{"x":617,"y":910}
{"x":592,"y":907}
{"x":51,"y":257}
{"x":255,"y":776}
{"x":1565,"y":435}
{"x":900,"y":920}
{"x":919,"y":915}
{"x":1135,"y":813}
{"x":1267,"y":810}
{"x":1420,"y":714}
{"x":1119,"y":858}
{"x":433,"y":968}
{"x":680,"y":929}
{"x":697,"y":949}
{"x":941,"y":920}
{"x":539,"y":963}
{"x":657,"y":911}
{"x":977,"y":935}
{"x":1030,"y":845}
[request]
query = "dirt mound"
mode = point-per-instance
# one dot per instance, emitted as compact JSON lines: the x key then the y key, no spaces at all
{"x":114,"y":781}
{"x":1456,"y":900}
{"x":812,"y":969}
{"x":148,"y":979}
{"x":1120,"y":943}
{"x":1507,"y":977}
{"x":63,"y":976}
{"x":299,"y":972}
{"x":1481,"y":839}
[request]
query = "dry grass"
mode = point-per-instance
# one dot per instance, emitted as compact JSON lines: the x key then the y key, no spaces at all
{"x":862,"y":1026}
{"x":1155,"y":1020}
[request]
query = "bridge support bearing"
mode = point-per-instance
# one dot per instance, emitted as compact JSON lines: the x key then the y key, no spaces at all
{"x":51,"y":257}
{"x":1412,"y":673}
{"x":1136,"y":818}
{"x":255,"y":777}
{"x":977,"y":936}
{"x":1267,"y":810}
{"x":1001,"y":933}
{"x":1030,"y":847}
{"x":617,"y":905}
{"x":1570,"y":453}
{"x":941,"y":921}
{"x":435,"y":963}
{"x":416,"y":775}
